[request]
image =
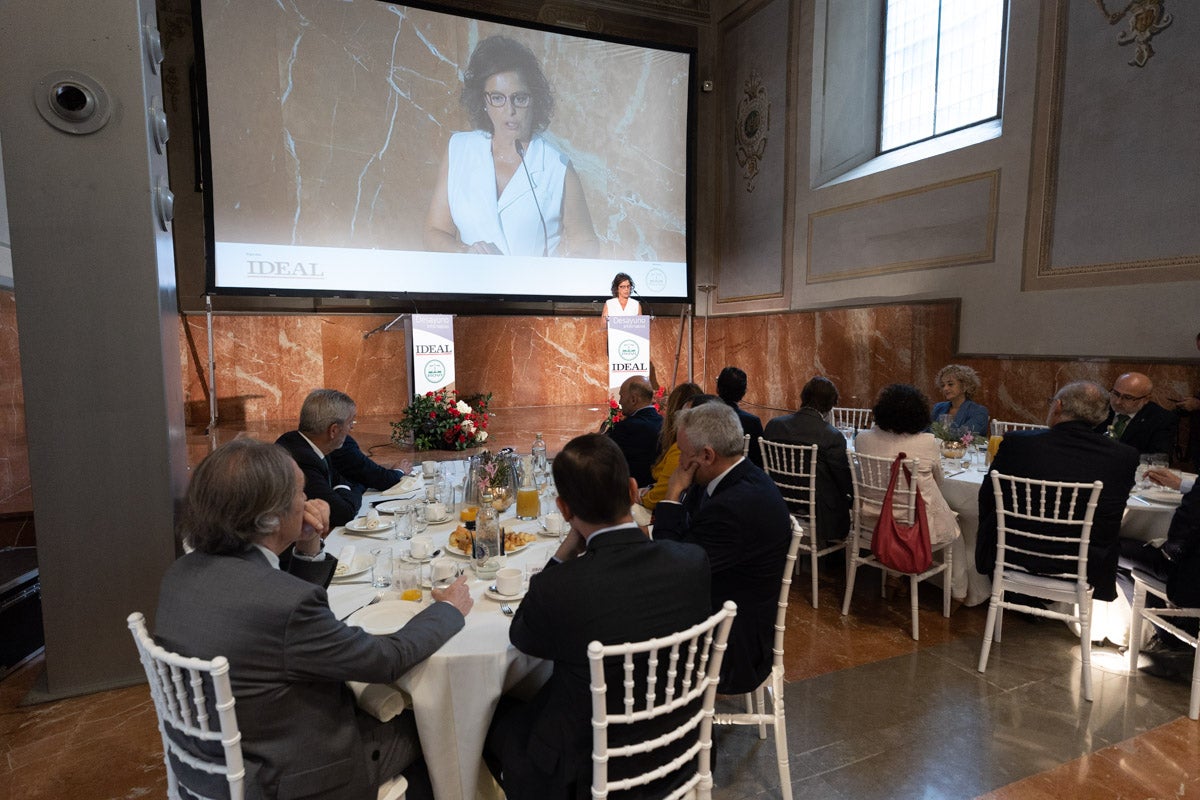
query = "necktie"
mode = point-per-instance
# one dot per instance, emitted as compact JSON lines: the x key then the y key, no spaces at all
{"x":1119,"y":424}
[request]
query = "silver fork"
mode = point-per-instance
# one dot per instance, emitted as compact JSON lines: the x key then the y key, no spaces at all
{"x":506,"y":610}
{"x":378,"y":596}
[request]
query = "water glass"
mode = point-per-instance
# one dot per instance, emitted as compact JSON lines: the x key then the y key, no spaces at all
{"x":381,"y":567}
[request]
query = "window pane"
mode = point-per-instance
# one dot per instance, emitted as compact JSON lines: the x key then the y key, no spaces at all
{"x":941,"y":67}
{"x":969,"y":63}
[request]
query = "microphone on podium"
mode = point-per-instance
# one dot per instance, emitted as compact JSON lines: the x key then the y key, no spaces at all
{"x":536,"y":204}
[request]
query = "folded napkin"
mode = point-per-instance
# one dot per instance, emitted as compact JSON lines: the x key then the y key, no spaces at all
{"x":409,"y":483}
{"x":346,"y":556}
{"x":380,"y":700}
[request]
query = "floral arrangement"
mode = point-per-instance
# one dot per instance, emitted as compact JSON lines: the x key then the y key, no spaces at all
{"x":614,"y":408}
{"x":493,"y":473}
{"x":442,"y":420}
{"x":951,"y":433}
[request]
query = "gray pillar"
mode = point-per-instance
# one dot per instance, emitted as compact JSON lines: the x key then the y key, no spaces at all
{"x":95,"y":291}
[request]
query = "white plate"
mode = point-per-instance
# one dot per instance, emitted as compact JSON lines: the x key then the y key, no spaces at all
{"x":503,"y":598}
{"x":392,"y":506}
{"x":387,"y":616}
{"x":438,"y":521}
{"x":1167,"y":497}
{"x":343,"y":570}
{"x":360,"y":526}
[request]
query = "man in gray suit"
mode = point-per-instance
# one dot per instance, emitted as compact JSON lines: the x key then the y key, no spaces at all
{"x":835,"y":488}
{"x":302,"y":734}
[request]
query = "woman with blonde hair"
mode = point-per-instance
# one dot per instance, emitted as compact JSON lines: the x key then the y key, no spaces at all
{"x":957,"y":384}
{"x":668,"y":449}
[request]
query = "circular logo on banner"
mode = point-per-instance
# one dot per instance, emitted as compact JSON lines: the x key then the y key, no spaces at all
{"x":435,"y":371}
{"x":629,"y":350}
{"x":656,"y":280}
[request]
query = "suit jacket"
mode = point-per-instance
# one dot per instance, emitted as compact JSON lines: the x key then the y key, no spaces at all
{"x":1183,"y":543}
{"x":1070,"y":451}
{"x":624,"y":588}
{"x":353,"y":464}
{"x":835,"y":487}
{"x":745,"y":528}
{"x":289,"y":660}
{"x":1151,"y":430}
{"x":637,"y":436}
{"x":753,"y":426}
{"x":320,"y":478}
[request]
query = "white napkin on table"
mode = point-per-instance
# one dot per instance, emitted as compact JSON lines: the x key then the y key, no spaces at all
{"x":380,"y":700}
{"x":409,"y":483}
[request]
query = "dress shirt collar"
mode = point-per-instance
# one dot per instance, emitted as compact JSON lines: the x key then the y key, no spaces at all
{"x":316,"y":449}
{"x":272,"y":559}
{"x":603,"y":531}
{"x":712,"y":485}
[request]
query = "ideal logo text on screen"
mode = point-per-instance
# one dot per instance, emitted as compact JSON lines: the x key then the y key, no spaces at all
{"x":286,"y":269}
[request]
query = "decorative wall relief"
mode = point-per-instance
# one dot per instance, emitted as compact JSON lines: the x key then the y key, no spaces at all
{"x":1146,"y":18}
{"x":753,"y":122}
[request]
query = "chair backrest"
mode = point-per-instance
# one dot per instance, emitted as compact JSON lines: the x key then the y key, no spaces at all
{"x":871,"y":475}
{"x":187,"y":692}
{"x":793,"y":468}
{"x":857,"y":418}
{"x":671,"y":675}
{"x":785,"y":590}
{"x":1000,"y":427}
{"x":1044,"y":526}
{"x":745,"y":445}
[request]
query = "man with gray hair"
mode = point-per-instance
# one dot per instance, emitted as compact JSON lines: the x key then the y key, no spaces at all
{"x":1070,"y":450}
{"x":326,"y":418}
{"x":724,"y":503}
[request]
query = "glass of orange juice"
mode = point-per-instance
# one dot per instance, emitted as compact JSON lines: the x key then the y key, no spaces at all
{"x":993,"y":446}
{"x":468,"y":513}
{"x":408,"y":581}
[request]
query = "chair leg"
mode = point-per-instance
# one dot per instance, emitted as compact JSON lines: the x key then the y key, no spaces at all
{"x":988,"y":629}
{"x":749,"y":702}
{"x":762,"y":711}
{"x":1085,"y":645}
{"x":813,"y":559}
{"x":912,"y":598}
{"x":947,"y":579}
{"x":1193,"y":704}
{"x":999,"y":621}
{"x":780,"y":726}
{"x":851,"y":573}
{"x":1135,"y":624}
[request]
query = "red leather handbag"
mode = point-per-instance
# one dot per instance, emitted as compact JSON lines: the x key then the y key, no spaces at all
{"x":900,"y":547}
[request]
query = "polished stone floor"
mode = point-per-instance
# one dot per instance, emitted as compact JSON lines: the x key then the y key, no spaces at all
{"x":870,"y":712}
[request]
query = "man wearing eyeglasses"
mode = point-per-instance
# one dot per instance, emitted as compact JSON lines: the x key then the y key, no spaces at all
{"x":1137,"y":420}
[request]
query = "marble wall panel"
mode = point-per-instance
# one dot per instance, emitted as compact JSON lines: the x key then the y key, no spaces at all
{"x":15,"y":493}
{"x":374,"y":371}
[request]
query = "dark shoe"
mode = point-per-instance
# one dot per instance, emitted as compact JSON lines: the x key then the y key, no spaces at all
{"x":1165,"y":643}
{"x":1171,"y":666}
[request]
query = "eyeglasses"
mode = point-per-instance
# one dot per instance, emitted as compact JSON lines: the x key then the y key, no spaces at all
{"x":1128,"y":398}
{"x":500,"y":99}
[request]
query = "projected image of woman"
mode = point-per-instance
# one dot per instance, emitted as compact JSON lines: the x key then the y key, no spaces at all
{"x":502,"y":188}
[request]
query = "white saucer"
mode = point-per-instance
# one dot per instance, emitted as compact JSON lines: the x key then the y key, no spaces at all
{"x":360,"y":526}
{"x":439,"y":520}
{"x":361,"y":564}
{"x":384,"y":617}
{"x":492,"y":594}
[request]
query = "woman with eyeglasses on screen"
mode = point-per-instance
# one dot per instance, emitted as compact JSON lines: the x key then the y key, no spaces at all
{"x":502,"y":189}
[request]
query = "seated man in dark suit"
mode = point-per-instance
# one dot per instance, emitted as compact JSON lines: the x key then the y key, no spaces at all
{"x":607,"y":582}
{"x":835,"y":488}
{"x":289,"y":657}
{"x":1069,"y":450}
{"x":1137,"y":420}
{"x":326,"y":418}
{"x":354,"y":465}
{"x":1176,"y":563}
{"x":637,"y":433}
{"x":731,"y":387}
{"x":735,"y":512}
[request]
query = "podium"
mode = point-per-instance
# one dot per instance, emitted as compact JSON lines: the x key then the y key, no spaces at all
{"x":628,"y":350}
{"x":430,"y":354}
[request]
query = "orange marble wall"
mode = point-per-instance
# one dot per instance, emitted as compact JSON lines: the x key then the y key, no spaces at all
{"x":267,"y":363}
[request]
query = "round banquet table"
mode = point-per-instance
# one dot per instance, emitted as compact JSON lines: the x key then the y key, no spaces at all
{"x":454,"y":692}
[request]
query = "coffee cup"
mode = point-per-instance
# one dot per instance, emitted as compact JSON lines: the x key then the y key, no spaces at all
{"x":435,"y":512}
{"x":429,"y":468}
{"x":509,"y":581}
{"x":422,"y":547}
{"x":554,"y":522}
{"x":444,"y":569}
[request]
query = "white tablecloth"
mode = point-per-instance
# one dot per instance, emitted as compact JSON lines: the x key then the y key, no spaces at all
{"x":455,"y":691}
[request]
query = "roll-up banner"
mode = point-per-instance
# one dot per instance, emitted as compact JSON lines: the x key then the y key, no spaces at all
{"x":628,"y":350}
{"x":430,"y":352}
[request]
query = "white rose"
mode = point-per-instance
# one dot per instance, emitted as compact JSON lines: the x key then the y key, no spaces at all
{"x":469,"y":427}
{"x":463,"y":408}
{"x":482,"y":436}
